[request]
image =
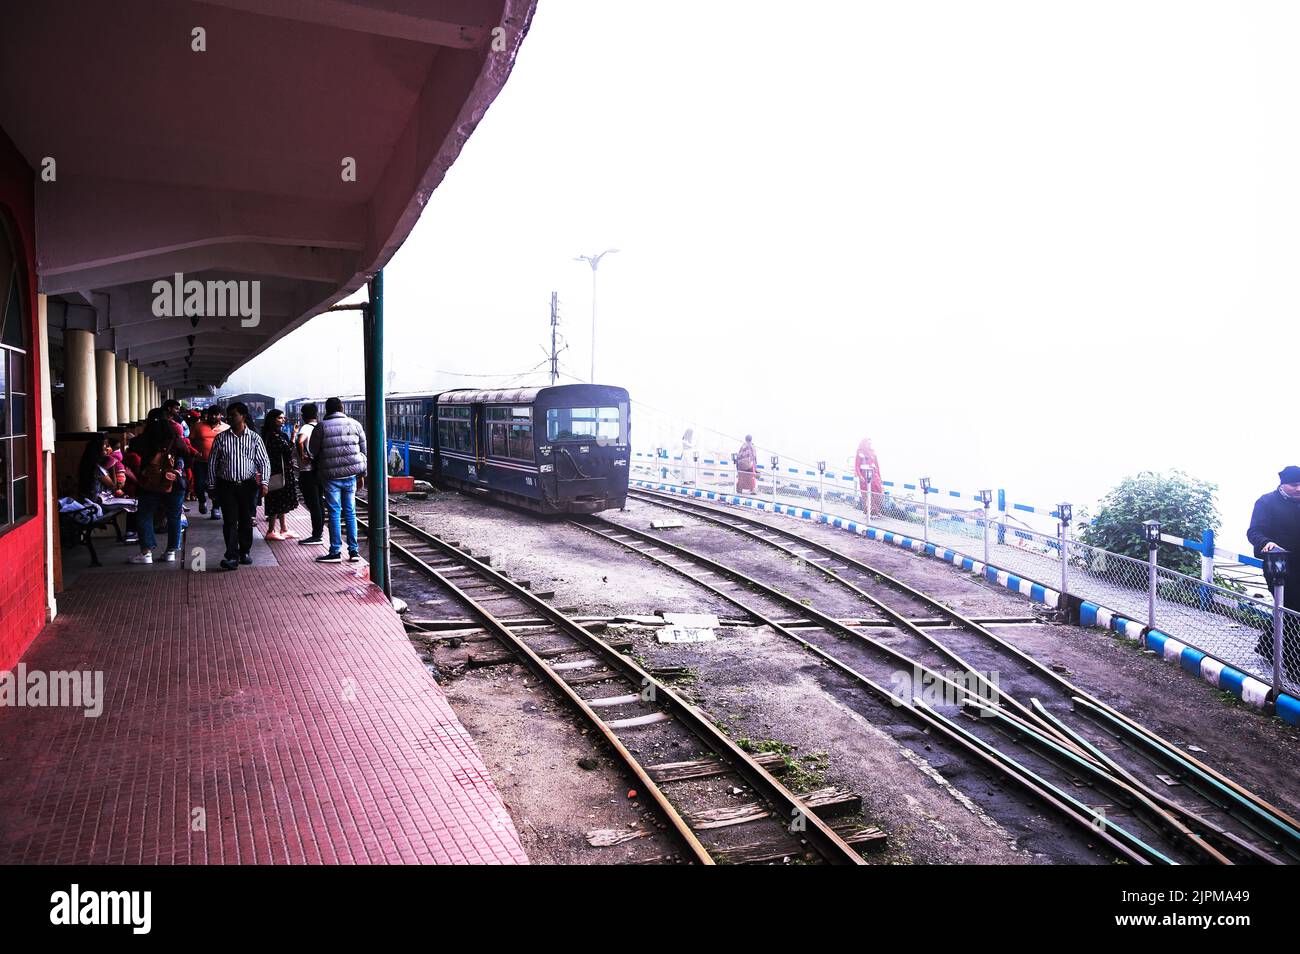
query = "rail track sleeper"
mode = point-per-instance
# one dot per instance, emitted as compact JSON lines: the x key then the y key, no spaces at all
{"x":573,"y":663}
{"x":636,"y":722}
{"x":709,"y":767}
{"x":757,"y":854}
{"x":606,"y":701}
{"x":828,"y":801}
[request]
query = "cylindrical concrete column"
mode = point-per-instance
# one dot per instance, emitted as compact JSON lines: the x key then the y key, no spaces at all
{"x":79,"y":381}
{"x":123,"y":392}
{"x":135,"y":394}
{"x":106,"y":389}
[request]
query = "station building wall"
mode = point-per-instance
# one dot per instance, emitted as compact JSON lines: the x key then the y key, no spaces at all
{"x":23,"y":564}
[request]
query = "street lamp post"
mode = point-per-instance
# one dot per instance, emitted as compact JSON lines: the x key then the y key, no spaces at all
{"x":986,"y":498}
{"x":1275,"y":575}
{"x":1151,"y":529}
{"x":925,"y":494}
{"x":1066,"y":512}
{"x":594,"y":262}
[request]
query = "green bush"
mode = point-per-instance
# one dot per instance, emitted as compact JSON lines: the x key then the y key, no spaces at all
{"x":1184,"y":506}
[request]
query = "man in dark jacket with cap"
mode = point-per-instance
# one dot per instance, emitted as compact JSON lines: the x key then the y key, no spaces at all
{"x":1275,"y":525}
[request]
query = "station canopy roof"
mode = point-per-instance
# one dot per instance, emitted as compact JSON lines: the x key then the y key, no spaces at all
{"x":230,"y":164}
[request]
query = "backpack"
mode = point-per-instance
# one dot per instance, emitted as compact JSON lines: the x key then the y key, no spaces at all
{"x":158,"y":476}
{"x":302,"y":445}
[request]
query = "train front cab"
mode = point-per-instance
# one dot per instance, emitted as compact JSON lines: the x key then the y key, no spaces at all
{"x":583,"y":437}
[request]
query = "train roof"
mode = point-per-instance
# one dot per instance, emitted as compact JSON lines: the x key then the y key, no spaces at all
{"x":523,"y":395}
{"x":502,"y":396}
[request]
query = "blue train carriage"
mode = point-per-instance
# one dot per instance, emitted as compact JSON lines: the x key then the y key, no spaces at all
{"x":409,"y":425}
{"x":258,"y":405}
{"x":561,"y":449}
{"x":293,"y":411}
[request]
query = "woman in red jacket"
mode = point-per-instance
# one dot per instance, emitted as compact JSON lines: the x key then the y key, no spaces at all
{"x":866,"y":463}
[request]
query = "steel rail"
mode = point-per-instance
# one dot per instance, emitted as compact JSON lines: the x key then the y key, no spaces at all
{"x":898,"y":619}
{"x":822,"y":620}
{"x":1050,"y":794}
{"x":829,"y":845}
{"x":1221,"y":838}
{"x":1253,"y":804}
{"x":1263,"y":823}
{"x":1137,"y":794}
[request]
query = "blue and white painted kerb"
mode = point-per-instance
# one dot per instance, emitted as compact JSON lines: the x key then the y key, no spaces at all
{"x":1216,"y":672}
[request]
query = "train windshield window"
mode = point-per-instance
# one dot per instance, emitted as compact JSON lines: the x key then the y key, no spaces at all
{"x":583,"y":423}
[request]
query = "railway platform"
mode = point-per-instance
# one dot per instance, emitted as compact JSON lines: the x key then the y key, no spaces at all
{"x":275,"y":714}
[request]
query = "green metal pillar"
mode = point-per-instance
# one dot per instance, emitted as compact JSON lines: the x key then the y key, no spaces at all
{"x":372,"y":324}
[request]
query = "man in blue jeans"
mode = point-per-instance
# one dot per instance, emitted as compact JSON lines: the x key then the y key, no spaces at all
{"x":338,"y":450}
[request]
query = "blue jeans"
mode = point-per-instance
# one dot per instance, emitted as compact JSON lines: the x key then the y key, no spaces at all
{"x":340,"y":497}
{"x":171,"y":505}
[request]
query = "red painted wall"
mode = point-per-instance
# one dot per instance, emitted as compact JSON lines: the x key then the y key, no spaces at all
{"x":22,"y":549}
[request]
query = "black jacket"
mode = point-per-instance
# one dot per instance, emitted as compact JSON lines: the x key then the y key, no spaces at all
{"x":1277,"y":519}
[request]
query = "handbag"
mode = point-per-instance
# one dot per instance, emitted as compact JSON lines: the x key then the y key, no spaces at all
{"x":276,"y":482}
{"x":159,"y":475}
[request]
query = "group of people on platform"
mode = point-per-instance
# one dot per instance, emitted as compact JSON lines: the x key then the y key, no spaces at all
{"x":866,"y":465}
{"x":219,"y":459}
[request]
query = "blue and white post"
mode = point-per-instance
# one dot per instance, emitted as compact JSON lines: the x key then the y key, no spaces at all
{"x":1206,"y":597}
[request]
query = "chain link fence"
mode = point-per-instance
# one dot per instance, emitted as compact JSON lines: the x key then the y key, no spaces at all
{"x":1230,"y":625}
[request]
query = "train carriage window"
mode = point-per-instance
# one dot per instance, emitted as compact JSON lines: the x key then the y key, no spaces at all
{"x":520,"y":441}
{"x":510,"y":432}
{"x":497,"y":440}
{"x":584,"y":423}
{"x":454,"y":428}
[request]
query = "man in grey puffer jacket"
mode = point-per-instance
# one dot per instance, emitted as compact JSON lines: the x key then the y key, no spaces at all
{"x":338,"y":450}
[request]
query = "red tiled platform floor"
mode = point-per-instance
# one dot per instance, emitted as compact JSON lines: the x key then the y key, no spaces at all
{"x":274,"y":714}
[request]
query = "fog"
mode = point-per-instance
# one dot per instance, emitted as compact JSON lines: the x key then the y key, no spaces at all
{"x":1022,"y":245}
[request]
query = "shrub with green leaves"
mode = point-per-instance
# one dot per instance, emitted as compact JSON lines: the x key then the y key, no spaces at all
{"x":1183,"y":504}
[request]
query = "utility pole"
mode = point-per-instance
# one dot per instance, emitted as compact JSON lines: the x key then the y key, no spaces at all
{"x":555,"y":320}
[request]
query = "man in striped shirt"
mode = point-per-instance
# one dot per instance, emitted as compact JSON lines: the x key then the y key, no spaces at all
{"x":238,"y":467}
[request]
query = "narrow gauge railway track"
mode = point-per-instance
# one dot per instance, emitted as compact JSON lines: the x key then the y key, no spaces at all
{"x":1190,"y":837}
{"x":1275,"y":827}
{"x":620,"y":700}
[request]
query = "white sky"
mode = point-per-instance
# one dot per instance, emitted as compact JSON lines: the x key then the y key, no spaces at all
{"x":1034,"y":245}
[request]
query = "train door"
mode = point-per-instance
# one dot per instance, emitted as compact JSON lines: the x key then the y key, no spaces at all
{"x":478,"y":427}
